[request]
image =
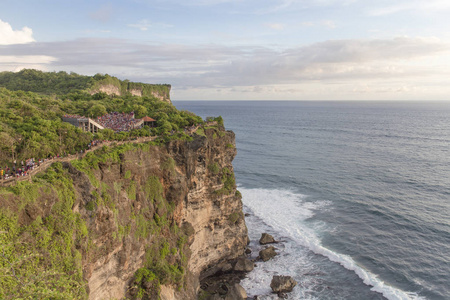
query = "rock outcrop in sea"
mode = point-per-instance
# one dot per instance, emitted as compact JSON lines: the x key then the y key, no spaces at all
{"x":266,"y":239}
{"x":282,"y":284}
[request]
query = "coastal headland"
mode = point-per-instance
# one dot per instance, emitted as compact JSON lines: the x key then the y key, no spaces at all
{"x":143,"y":214}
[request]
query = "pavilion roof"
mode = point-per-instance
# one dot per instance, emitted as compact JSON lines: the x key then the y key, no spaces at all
{"x":148,"y":119}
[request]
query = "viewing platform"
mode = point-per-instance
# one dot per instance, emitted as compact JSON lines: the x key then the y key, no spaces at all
{"x":86,"y":124}
{"x":115,"y":121}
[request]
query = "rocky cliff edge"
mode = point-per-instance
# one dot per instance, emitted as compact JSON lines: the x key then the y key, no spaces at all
{"x":149,"y":218}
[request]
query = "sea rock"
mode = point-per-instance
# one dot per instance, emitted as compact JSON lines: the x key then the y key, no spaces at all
{"x":237,"y":292}
{"x":266,"y":239}
{"x":267,"y":253}
{"x":243,"y":265}
{"x":282,"y":284}
{"x":248,"y":251}
{"x":227,"y":268}
{"x":226,"y":291}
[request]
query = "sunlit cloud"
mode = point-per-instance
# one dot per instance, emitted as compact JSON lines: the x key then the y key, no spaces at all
{"x":8,"y":36}
{"x":398,"y":66}
{"x":17,"y":63}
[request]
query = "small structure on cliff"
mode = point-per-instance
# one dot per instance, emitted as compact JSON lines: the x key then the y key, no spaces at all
{"x":149,"y":121}
{"x":116,"y":121}
{"x":85,"y":123}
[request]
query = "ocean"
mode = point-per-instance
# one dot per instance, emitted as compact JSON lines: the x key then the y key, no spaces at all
{"x":359,"y":193}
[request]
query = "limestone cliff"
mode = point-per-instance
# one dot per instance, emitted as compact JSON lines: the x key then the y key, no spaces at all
{"x":149,"y":218}
{"x":113,"y":86}
{"x":156,"y":91}
{"x":194,"y":177}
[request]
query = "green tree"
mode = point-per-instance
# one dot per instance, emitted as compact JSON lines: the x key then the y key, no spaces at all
{"x":97,"y":110}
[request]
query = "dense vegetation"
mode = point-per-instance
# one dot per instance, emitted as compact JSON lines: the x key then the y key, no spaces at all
{"x":42,"y":252}
{"x":41,"y":258}
{"x":31,"y":125}
{"x":41,"y":82}
{"x":63,"y":83}
{"x":43,"y":241}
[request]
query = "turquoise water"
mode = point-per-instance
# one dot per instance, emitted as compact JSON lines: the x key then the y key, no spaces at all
{"x":359,"y":192}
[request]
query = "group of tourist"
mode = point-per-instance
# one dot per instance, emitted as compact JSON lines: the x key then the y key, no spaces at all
{"x":23,"y":168}
{"x":20,"y":169}
{"x":118,"y":121}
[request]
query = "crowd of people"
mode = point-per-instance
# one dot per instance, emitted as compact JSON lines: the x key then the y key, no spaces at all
{"x":118,"y":121}
{"x":23,"y":168}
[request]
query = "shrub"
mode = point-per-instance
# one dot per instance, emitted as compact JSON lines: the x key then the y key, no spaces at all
{"x":234,"y":217}
{"x":214,"y":168}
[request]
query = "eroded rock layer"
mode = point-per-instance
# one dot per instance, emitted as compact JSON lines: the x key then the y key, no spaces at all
{"x":180,"y":197}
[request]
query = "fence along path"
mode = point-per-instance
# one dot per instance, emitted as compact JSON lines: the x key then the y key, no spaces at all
{"x":44,"y":166}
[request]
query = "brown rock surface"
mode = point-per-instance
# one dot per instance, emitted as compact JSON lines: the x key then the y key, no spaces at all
{"x":266,"y":239}
{"x":282,"y":284}
{"x":199,"y":210}
{"x":267,"y":253}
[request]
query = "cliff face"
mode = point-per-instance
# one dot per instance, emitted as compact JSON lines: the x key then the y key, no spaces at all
{"x":135,"y":221}
{"x":120,"y":88}
{"x":159,"y":198}
{"x":109,"y":89}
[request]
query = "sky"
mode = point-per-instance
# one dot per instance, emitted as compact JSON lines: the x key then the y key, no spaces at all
{"x":240,"y":49}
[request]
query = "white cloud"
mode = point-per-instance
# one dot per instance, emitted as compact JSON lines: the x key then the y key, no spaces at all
{"x":144,"y":25}
{"x":307,"y":24}
{"x":276,"y":26}
{"x":16,"y":63}
{"x":417,"y":6}
{"x":384,"y":64}
{"x":329,"y":24}
{"x":27,"y":59}
{"x":8,"y":36}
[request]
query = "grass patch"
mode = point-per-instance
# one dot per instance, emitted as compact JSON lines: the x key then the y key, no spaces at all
{"x":200,"y":131}
{"x":234,"y":217}
{"x":214,"y":168}
{"x":229,"y":182}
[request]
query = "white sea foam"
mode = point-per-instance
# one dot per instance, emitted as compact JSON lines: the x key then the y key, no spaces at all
{"x":284,"y":213}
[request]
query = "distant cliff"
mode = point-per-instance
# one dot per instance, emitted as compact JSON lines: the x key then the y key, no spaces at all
{"x":113,"y":86}
{"x":63,"y":83}
{"x":139,"y":221}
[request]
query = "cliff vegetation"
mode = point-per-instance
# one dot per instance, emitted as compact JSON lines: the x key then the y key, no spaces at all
{"x":135,"y":220}
{"x":31,"y":124}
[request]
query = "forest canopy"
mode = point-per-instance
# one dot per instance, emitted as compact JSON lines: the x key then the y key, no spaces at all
{"x":64,"y":83}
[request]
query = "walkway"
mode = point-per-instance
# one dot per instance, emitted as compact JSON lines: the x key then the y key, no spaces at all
{"x":44,"y":166}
